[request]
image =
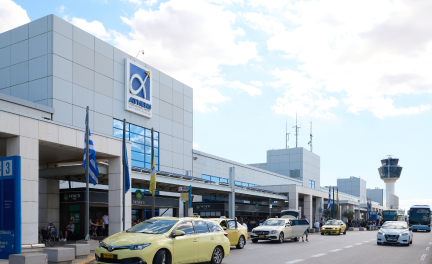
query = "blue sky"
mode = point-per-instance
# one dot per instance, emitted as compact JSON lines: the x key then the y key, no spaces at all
{"x":360,"y":70}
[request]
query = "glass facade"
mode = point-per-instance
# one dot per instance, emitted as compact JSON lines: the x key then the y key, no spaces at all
{"x":140,"y":138}
{"x":224,"y":180}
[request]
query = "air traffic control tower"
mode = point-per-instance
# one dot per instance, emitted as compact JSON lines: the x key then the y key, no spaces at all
{"x":390,"y":172}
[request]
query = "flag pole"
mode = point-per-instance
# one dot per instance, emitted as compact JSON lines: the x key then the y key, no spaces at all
{"x":333,"y":204}
{"x":152,"y":160}
{"x":87,"y":178}
{"x":124,"y":172}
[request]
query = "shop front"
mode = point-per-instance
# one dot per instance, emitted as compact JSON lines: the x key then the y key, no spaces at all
{"x":218,"y":209}
{"x":72,"y":207}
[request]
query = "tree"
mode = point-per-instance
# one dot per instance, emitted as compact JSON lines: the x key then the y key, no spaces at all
{"x":326,"y":213}
{"x":348,"y":214}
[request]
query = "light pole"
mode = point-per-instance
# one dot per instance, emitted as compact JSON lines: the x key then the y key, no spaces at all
{"x":141,"y":51}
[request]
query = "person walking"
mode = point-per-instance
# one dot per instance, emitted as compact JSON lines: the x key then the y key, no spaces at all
{"x":306,"y":231}
{"x":105,"y":218}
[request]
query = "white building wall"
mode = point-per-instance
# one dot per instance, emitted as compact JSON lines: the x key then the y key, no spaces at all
{"x":216,"y":166}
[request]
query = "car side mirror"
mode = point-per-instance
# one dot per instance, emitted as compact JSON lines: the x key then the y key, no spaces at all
{"x":410,"y":229}
{"x":179,"y":233}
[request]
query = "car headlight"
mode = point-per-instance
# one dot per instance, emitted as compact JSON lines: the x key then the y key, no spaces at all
{"x":404,"y":234}
{"x":253,"y":231}
{"x":102,"y":244}
{"x":273,"y":232}
{"x":380,"y":233}
{"x":138,"y":246}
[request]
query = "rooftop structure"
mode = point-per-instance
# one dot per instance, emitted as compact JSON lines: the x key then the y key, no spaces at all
{"x":390,"y":172}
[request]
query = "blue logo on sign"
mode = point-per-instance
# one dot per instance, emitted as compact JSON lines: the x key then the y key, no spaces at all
{"x":139,"y":82}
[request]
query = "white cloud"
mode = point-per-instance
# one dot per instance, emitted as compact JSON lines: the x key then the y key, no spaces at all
{"x":228,"y":2}
{"x":190,"y":40}
{"x":271,"y":5}
{"x":61,"y":9}
{"x":251,"y":90}
{"x":11,"y":15}
{"x":257,"y":83}
{"x":366,"y":52}
{"x":268,"y":24}
{"x":139,"y":2}
{"x":151,"y":2}
{"x":96,"y":28}
{"x":195,"y":145}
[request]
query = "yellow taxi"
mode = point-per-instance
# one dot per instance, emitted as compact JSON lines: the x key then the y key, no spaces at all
{"x":334,"y":227}
{"x":237,"y":234}
{"x":166,"y":240}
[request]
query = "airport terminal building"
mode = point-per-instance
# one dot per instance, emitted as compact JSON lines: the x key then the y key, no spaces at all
{"x":51,"y":70}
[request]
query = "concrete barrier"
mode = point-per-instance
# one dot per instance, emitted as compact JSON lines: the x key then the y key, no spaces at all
{"x":351,"y":228}
{"x":311,"y":230}
{"x":361,"y":229}
{"x":28,"y":258}
{"x":60,"y":255}
{"x":93,"y":244}
{"x":317,"y":230}
{"x":81,"y":250}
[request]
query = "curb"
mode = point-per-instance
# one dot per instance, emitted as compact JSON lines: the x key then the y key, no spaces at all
{"x":86,"y":260}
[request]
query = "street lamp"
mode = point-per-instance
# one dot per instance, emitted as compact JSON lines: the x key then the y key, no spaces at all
{"x":141,"y":51}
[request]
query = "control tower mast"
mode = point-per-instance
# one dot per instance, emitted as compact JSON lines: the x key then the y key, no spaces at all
{"x":390,"y":172}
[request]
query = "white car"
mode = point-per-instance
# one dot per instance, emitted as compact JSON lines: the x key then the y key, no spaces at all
{"x":279,"y":229}
{"x":395,"y":232}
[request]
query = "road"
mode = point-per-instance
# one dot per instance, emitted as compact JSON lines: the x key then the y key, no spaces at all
{"x":354,"y":247}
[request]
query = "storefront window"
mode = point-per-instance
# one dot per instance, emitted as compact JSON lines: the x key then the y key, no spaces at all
{"x":140,"y":138}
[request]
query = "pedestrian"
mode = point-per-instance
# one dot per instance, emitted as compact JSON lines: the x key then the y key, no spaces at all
{"x":317,"y":224}
{"x":245,"y":225}
{"x":306,"y":231}
{"x":70,"y":229}
{"x":105,"y":218}
{"x":53,"y":229}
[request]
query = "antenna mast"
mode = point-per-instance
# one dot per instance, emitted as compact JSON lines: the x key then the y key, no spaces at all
{"x":310,"y":142}
{"x":296,"y":131}
{"x":286,"y":135}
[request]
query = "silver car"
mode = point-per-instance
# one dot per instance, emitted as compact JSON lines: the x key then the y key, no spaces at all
{"x":395,"y":232}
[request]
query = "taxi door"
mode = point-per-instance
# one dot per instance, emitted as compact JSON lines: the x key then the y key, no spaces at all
{"x":288,"y":231}
{"x":206,"y":240}
{"x":186,"y":249}
{"x":343,"y":226}
{"x":298,"y":227}
{"x":233,"y":232}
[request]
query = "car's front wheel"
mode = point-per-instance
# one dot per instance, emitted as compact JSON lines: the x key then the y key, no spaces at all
{"x":217,"y":256}
{"x":241,"y":242}
{"x":160,"y":257}
{"x":281,"y":237}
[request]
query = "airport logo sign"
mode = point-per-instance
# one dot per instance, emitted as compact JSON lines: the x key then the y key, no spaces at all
{"x":138,"y":88}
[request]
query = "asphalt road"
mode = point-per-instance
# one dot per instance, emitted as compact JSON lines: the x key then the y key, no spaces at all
{"x":354,"y":247}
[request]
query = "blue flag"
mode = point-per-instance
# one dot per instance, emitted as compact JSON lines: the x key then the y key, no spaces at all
{"x":368,"y":209}
{"x":126,"y":174}
{"x":329,"y":200}
{"x":93,"y":169}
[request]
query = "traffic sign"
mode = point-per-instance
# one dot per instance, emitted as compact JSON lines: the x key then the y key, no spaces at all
{"x":185,"y":196}
{"x":183,"y":189}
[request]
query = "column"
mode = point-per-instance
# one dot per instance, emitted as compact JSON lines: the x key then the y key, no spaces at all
{"x":115,"y":197}
{"x":49,"y":203}
{"x":231,"y":195}
{"x":308,"y":208}
{"x":27,"y":146}
{"x":319,"y":200}
{"x":293,"y":200}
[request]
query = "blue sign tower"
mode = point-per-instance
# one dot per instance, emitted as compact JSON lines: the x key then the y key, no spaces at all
{"x":10,"y":206}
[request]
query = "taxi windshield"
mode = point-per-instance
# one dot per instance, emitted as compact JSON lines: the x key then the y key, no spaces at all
{"x":153,"y":226}
{"x":394,"y":226}
{"x":332,"y":223}
{"x":274,"y":223}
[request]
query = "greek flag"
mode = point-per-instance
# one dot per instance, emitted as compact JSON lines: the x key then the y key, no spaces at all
{"x":329,"y":200}
{"x":127,"y":177}
{"x":93,"y":169}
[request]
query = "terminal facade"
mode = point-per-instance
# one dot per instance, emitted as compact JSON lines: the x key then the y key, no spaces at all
{"x":51,"y":70}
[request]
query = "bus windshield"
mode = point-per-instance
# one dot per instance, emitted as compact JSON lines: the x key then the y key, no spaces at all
{"x":419,"y":216}
{"x":389,"y":215}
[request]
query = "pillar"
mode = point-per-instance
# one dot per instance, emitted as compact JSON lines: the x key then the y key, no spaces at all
{"x":308,"y":208}
{"x":115,"y":197}
{"x":27,"y":146}
{"x":49,"y":203}
{"x":293,"y":200}
{"x":319,"y":200}
{"x":231,"y":195}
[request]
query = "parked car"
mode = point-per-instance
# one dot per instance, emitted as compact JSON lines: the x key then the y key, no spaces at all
{"x":237,"y":234}
{"x":334,"y":227}
{"x":279,"y":229}
{"x":395,"y":232}
{"x":166,"y":240}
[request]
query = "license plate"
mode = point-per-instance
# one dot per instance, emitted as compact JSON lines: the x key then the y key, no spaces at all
{"x":110,"y":256}
{"x":261,"y":236}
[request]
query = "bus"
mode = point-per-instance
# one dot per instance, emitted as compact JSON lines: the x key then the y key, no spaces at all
{"x":291,"y":214}
{"x":420,"y":217}
{"x":401,"y":215}
{"x":389,"y":215}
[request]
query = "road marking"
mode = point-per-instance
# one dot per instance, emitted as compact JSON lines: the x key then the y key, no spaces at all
{"x":358,"y":244}
{"x":430,"y":243}
{"x":366,"y":241}
{"x":318,"y":255}
{"x":335,"y":250}
{"x":295,"y":261}
{"x":427,"y":248}
{"x":423,"y":257}
{"x":348,"y":246}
